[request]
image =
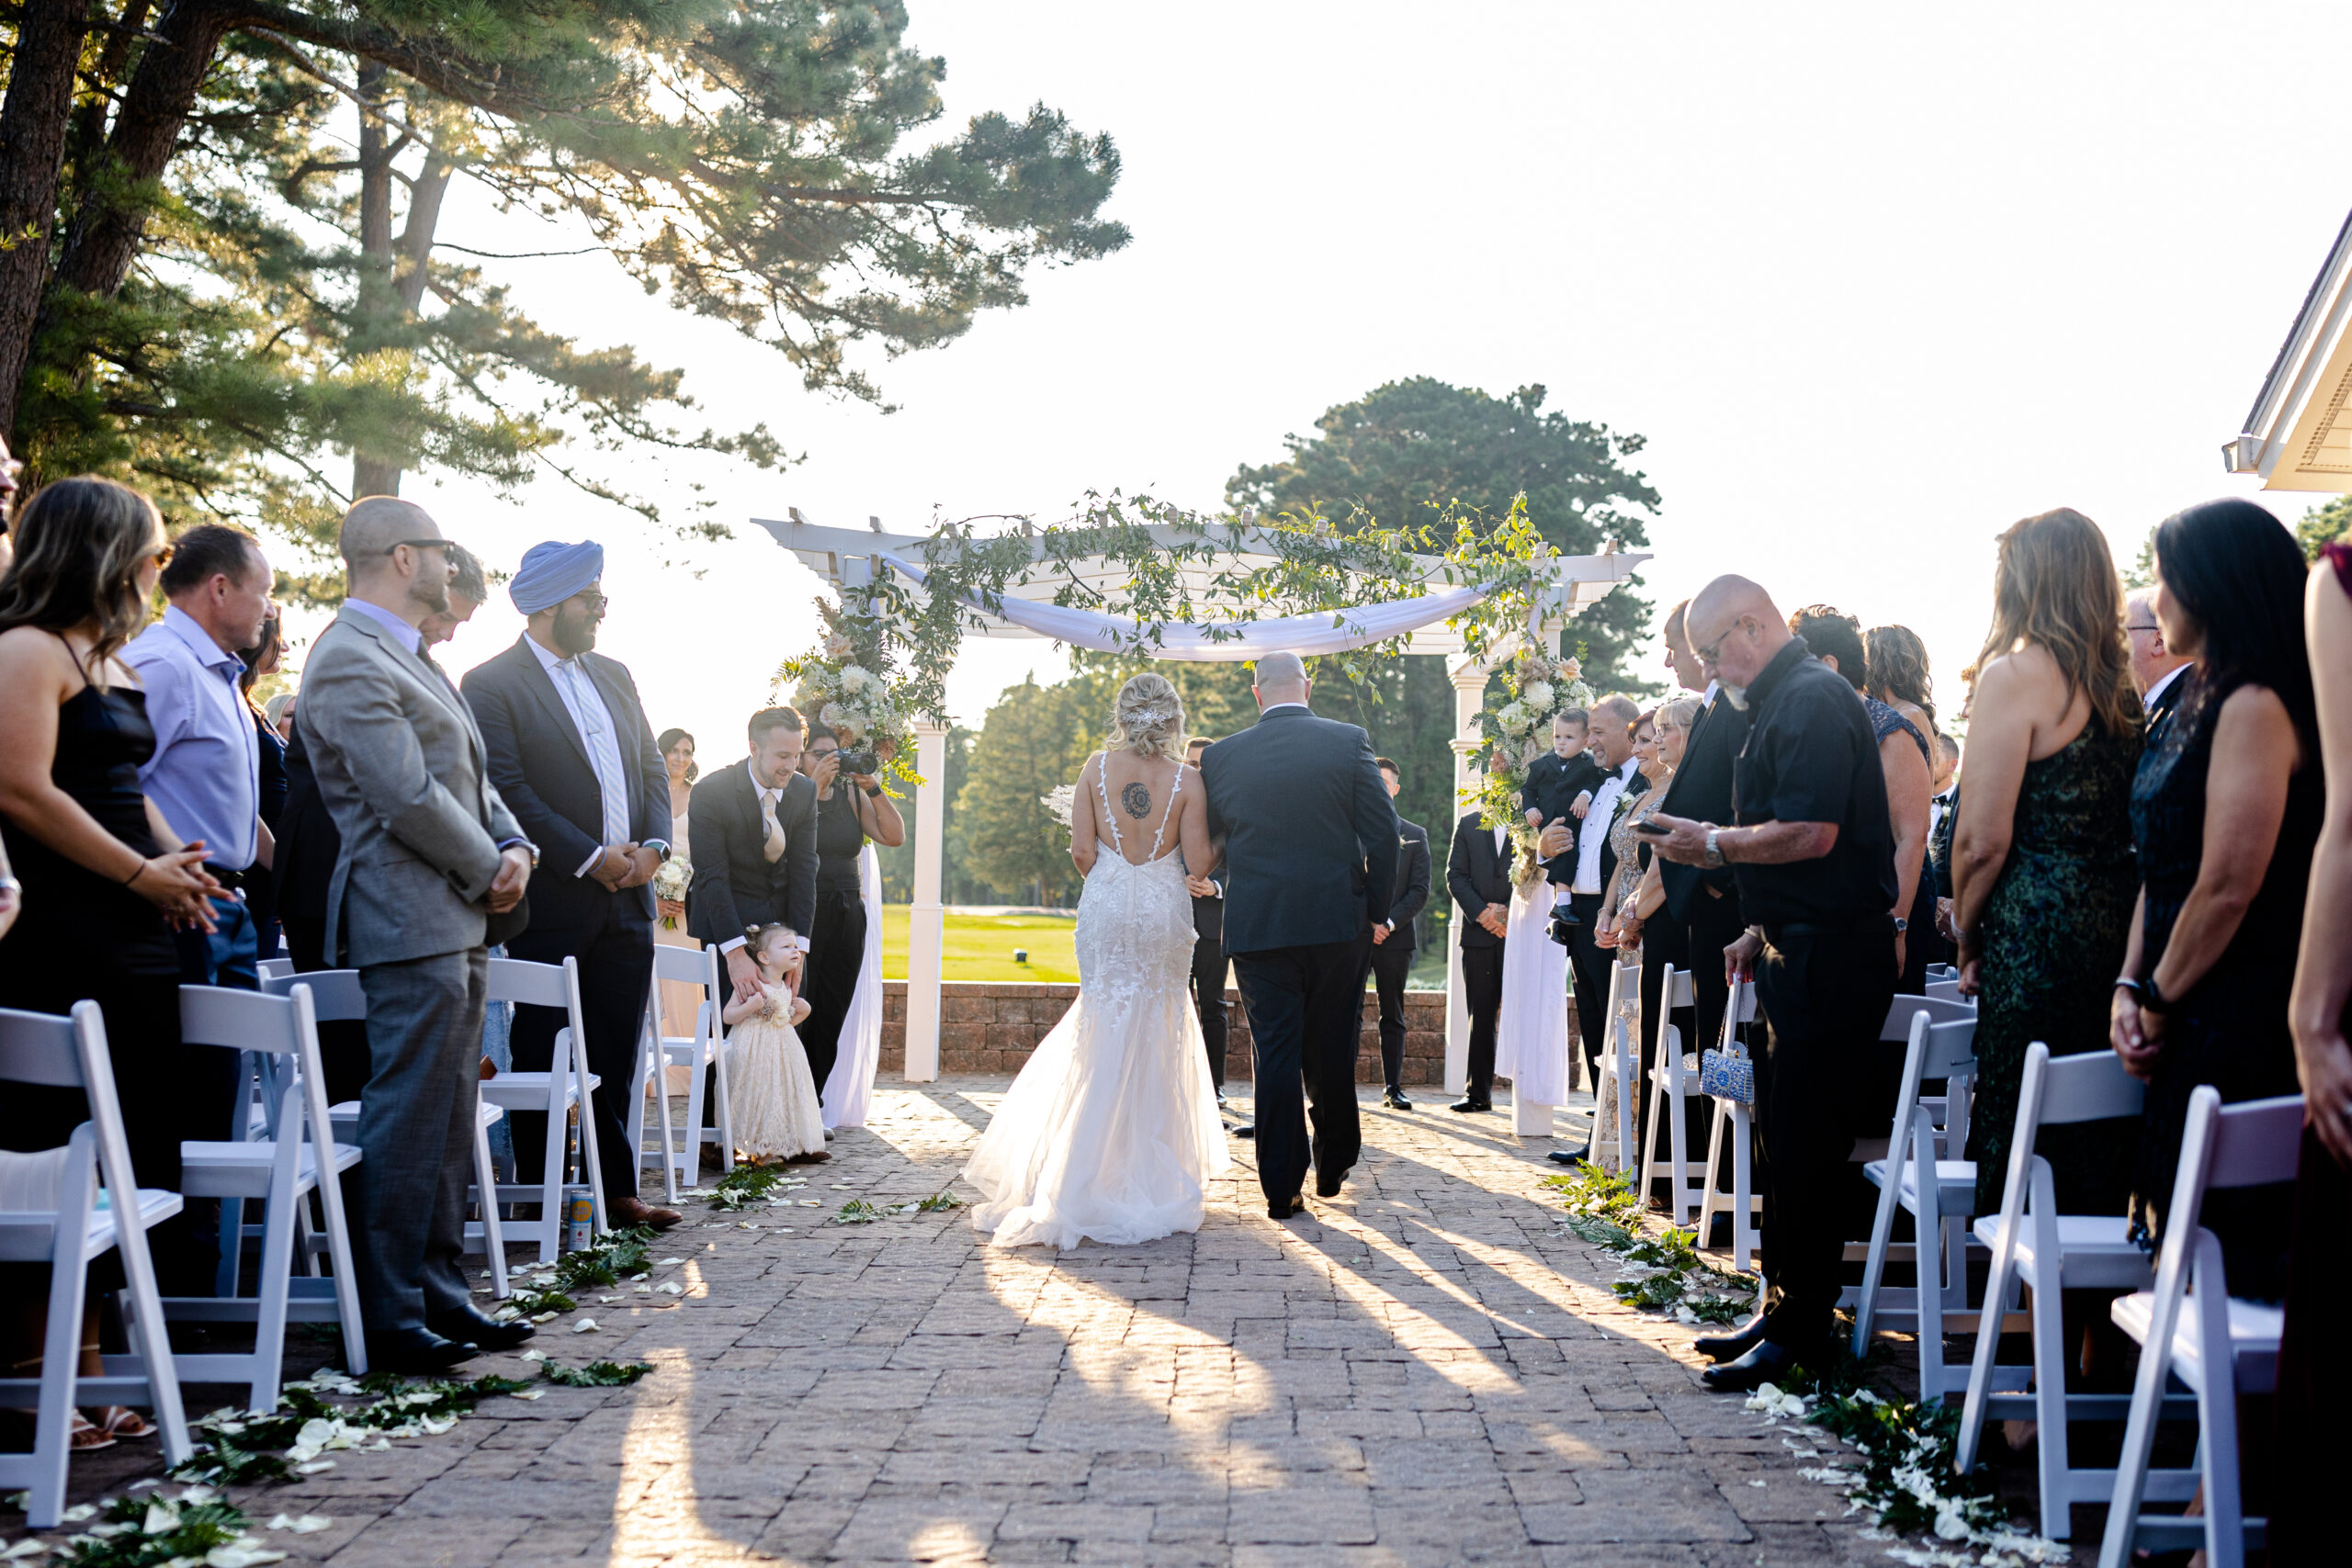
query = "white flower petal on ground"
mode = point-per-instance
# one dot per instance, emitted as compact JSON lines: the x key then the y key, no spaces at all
{"x":585,"y":1326}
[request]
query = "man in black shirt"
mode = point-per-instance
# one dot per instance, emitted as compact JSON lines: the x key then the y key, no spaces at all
{"x":1814,"y":857}
{"x":1704,"y":900}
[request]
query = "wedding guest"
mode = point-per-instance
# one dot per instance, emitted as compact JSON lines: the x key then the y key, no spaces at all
{"x":1392,"y":943}
{"x":681,"y":1002}
{"x":1905,"y":760}
{"x":2155,"y":668}
{"x":1612,"y":746}
{"x":1815,"y":854}
{"x":573,"y":757}
{"x":206,"y":771}
{"x":280,"y":712}
{"x":104,"y":880}
{"x":1478,"y":877}
{"x":1899,"y":677}
{"x":1704,"y":900}
{"x":2042,"y":850}
{"x":1559,"y":788}
{"x":2314,"y":1389}
{"x":851,"y":810}
{"x":262,"y":660}
{"x":431,"y":861}
{"x":1210,"y":965}
{"x":1943,"y":812}
{"x":1632,"y":913}
{"x":2225,"y":813}
{"x":776,"y":1116}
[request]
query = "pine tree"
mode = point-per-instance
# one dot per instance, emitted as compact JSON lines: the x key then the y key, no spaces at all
{"x":1031,"y":742}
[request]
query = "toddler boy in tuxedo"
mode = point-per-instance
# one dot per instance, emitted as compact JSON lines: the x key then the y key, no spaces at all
{"x":1557,"y":786}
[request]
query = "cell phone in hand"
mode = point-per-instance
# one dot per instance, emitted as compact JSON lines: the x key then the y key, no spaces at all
{"x":1653,"y":829}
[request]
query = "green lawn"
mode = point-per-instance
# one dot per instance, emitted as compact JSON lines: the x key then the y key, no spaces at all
{"x":980,"y":947}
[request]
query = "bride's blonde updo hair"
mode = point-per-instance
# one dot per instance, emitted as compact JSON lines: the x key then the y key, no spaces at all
{"x":1149,"y":719}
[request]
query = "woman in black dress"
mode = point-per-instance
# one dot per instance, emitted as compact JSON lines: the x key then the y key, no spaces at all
{"x":850,"y":809}
{"x":105,"y":879}
{"x":261,"y":660}
{"x":2225,"y":812}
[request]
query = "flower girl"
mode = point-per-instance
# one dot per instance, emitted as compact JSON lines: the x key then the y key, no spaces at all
{"x":777,"y":1114}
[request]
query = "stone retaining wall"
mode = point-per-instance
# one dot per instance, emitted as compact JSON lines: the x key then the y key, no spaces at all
{"x":991,"y":1026}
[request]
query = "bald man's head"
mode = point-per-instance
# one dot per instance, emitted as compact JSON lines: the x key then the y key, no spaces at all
{"x":1735,"y":629}
{"x":374,"y":523}
{"x":411,"y":582}
{"x":1281,"y":678}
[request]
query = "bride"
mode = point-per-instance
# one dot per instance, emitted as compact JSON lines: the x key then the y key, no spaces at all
{"x":1110,"y":1130}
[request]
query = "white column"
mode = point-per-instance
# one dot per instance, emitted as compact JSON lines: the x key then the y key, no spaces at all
{"x":1469,"y":694}
{"x":926,"y":922}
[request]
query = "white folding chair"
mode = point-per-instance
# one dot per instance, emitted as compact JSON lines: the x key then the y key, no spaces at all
{"x":567,"y":1083}
{"x":68,"y":1231}
{"x":336,"y":997}
{"x":280,"y":1172}
{"x":1735,"y":1123}
{"x":706,"y":1048}
{"x":1674,"y":1082}
{"x":1939,"y":1193}
{"x":1621,"y":1059}
{"x":270,"y":969}
{"x":1948,"y":992}
{"x":2219,"y":1344}
{"x":2048,"y":1252}
{"x":1943,"y":972}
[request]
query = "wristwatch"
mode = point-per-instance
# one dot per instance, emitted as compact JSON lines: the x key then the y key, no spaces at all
{"x":1715,"y":850}
{"x":1901,"y":924}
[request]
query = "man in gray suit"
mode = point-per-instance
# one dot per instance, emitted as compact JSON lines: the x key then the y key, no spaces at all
{"x":429,"y":853}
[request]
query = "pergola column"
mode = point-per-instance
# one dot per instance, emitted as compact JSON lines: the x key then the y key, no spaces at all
{"x":926,"y":921}
{"x":1469,"y":678}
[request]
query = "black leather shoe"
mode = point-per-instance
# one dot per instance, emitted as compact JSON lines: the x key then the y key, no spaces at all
{"x":1464,"y":1107}
{"x":416,"y":1352}
{"x":1768,"y":1362}
{"x":1395,"y":1100}
{"x":1246,"y":1130}
{"x":1565,"y":1156}
{"x":1561,"y":924}
{"x":468,"y":1325}
{"x":1730,"y":1346}
{"x":1284,"y":1208}
{"x":1329,"y":1186}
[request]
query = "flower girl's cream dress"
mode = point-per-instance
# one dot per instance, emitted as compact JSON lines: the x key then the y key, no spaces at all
{"x":777,"y":1114}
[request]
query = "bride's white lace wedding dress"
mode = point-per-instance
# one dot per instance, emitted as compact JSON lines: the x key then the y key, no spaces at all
{"x":1110,"y":1130}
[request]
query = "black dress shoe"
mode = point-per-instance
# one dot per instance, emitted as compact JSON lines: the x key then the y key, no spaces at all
{"x":465,"y":1325}
{"x":1729,"y":1346}
{"x":1767,"y":1362}
{"x":416,"y":1352}
{"x":1395,"y":1100}
{"x":1567,"y":1156}
{"x":1284,"y":1208}
{"x":1563,"y":923}
{"x":1329,"y":1186}
{"x":1246,"y":1130}
{"x":1464,"y":1107}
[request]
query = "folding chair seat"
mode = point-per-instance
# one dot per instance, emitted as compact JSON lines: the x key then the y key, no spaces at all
{"x":1621,"y":1059}
{"x":553,"y":1093}
{"x":62,"y":1224}
{"x":300,"y":1157}
{"x":2190,"y":1327}
{"x":1674,"y":1083}
{"x":680,"y":1150}
{"x":1733,"y":1123}
{"x":270,"y":969}
{"x":336,"y":997}
{"x":2035,"y":1246}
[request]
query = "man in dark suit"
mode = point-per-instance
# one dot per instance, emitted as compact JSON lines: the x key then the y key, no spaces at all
{"x":1707,"y":901}
{"x":1210,"y":964}
{"x":1477,"y":873}
{"x":754,"y":827}
{"x":1307,"y":826}
{"x":1393,"y":943}
{"x":1596,"y":860}
{"x":574,"y":757}
{"x":2156,"y":669}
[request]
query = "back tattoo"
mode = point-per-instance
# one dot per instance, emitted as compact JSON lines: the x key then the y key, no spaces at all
{"x":1136,"y":798}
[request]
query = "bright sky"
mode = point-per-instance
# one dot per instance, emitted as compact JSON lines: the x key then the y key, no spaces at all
{"x":1874,"y":281}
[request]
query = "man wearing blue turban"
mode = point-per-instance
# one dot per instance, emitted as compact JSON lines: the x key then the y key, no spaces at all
{"x":573,"y":756}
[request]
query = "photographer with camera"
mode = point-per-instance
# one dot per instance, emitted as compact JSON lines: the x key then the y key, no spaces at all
{"x":851,"y":807}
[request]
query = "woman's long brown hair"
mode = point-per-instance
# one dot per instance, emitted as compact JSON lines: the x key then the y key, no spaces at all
{"x":2055,"y":587}
{"x":80,"y":543}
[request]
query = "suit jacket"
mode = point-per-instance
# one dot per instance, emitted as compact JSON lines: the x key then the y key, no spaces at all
{"x":401,"y":768}
{"x":1208,"y":914}
{"x":540,"y":765}
{"x":1412,"y":888}
{"x":734,"y":885}
{"x":1477,"y":874}
{"x":1307,"y":823}
{"x":1700,"y":790}
{"x":308,"y":844}
{"x":2167,"y":700}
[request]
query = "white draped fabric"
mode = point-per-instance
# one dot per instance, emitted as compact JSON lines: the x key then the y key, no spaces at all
{"x":1532,"y":1034}
{"x":850,"y":1089}
{"x":1228,"y":642}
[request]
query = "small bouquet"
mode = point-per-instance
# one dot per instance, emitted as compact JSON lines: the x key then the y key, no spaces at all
{"x":670,"y":883}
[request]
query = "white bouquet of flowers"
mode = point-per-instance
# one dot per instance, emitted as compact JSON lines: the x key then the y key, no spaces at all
{"x":670,"y":883}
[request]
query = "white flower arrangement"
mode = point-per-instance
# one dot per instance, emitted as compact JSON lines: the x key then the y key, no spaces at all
{"x":671,"y":881}
{"x":1537,"y":694}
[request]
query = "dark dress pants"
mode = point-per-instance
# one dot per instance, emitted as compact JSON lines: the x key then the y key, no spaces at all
{"x":1392,"y":966}
{"x":1825,"y":998}
{"x":615,"y":974}
{"x":1591,"y":961}
{"x":1306,"y":1008}
{"x":836,"y":953}
{"x":1714,"y":925}
{"x":1209,"y":967}
{"x":1665,"y":946}
{"x":1482,"y":990}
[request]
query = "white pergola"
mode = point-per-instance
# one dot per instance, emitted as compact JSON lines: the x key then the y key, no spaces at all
{"x":847,"y":558}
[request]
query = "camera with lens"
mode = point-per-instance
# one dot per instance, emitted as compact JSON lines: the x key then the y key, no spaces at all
{"x":864,"y":762}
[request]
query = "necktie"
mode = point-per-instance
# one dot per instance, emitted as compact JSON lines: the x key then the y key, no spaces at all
{"x":771,"y":843}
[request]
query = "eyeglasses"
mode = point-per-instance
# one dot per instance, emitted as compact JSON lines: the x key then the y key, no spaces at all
{"x":2146,"y":629}
{"x":592,"y":601}
{"x":418,"y":545}
{"x":1709,"y":654}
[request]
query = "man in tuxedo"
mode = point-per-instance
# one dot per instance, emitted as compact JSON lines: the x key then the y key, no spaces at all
{"x":1210,"y":964}
{"x":1307,"y":826}
{"x":429,"y":856}
{"x":1393,"y":944}
{"x":1595,"y":861}
{"x":574,"y":757}
{"x":1477,"y":874}
{"x":2156,"y":669}
{"x":1706,"y":900}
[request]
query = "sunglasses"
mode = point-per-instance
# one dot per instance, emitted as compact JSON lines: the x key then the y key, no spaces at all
{"x":418,"y":545}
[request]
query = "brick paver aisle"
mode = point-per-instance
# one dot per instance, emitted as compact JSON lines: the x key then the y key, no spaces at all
{"x":1427,"y":1369}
